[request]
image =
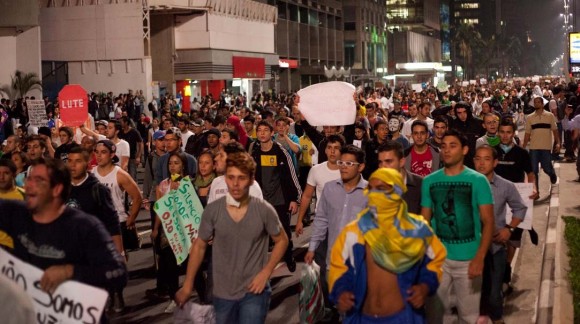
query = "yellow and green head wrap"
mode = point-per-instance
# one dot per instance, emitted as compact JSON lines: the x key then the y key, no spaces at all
{"x":397,"y":239}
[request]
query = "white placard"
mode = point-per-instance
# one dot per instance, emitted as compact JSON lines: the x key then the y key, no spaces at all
{"x":472,"y":82}
{"x":464,"y":83}
{"x":535,"y":79}
{"x":328,"y":104}
{"x":357,"y":143}
{"x":36,"y":113}
{"x":417,"y":87}
{"x":525,"y":190}
{"x":442,"y":86}
{"x":483,"y":81}
{"x":72,"y":302}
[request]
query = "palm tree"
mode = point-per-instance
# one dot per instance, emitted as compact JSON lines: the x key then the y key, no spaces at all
{"x":21,"y":84}
{"x":467,"y":39}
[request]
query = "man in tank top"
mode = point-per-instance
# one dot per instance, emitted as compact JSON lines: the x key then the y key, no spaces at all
{"x":119,"y":182}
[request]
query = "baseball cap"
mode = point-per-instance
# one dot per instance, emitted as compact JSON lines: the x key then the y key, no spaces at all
{"x":111,"y":147}
{"x":158,"y":135}
{"x":102,"y":122}
{"x":197,"y":122}
{"x":147,"y":120}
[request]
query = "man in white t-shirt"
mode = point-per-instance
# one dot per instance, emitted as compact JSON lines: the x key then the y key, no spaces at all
{"x":218,"y":186}
{"x":185,"y":132}
{"x":318,"y":176}
{"x":112,"y":133}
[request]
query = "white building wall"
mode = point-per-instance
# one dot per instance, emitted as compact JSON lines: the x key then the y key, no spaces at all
{"x":92,"y":32}
{"x":8,"y":61}
{"x":21,"y":52}
{"x":103,"y":45}
{"x":223,"y":32}
{"x":116,"y":76}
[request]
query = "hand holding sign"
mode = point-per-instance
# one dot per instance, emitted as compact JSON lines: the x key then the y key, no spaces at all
{"x":74,"y":106}
{"x":328,"y":104}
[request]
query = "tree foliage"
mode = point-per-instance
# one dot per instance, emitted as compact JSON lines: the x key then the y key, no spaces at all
{"x":21,"y":84}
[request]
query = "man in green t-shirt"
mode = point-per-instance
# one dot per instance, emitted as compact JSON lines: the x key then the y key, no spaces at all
{"x":459,"y":204}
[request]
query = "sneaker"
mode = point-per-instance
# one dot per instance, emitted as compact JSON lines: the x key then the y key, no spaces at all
{"x":170,"y":307}
{"x":118,"y":303}
{"x":553,"y":178}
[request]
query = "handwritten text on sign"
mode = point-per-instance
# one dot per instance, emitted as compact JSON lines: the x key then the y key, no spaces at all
{"x":180,"y":214}
{"x":72,"y":302}
{"x":36,"y":113}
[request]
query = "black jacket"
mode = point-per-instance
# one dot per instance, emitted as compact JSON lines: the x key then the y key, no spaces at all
{"x":96,"y":201}
{"x":285,"y":168}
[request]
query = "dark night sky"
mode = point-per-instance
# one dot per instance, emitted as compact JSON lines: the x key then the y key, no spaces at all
{"x":543,"y":17}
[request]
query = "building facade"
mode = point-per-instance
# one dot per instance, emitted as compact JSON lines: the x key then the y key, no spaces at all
{"x":365,"y":39}
{"x":414,"y":37}
{"x":19,"y":40}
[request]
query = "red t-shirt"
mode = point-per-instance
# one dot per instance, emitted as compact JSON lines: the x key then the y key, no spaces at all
{"x":421,"y":164}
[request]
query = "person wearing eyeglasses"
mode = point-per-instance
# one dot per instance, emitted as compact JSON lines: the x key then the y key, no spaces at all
{"x":491,"y":125}
{"x":341,"y":200}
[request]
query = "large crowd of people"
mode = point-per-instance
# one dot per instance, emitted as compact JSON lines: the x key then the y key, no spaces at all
{"x":410,"y":199}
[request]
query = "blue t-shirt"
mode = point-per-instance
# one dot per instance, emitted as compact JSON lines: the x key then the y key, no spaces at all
{"x":454,"y":202}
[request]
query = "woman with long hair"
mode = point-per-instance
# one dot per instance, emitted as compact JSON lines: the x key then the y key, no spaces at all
{"x":205,"y":175}
{"x":168,"y":270}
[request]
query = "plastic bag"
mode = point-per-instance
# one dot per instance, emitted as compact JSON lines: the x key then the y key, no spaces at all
{"x":193,"y":313}
{"x":311,"y":303}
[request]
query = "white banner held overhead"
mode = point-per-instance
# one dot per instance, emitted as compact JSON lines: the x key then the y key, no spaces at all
{"x":36,"y":113}
{"x":71,"y":302}
{"x":328,"y":104}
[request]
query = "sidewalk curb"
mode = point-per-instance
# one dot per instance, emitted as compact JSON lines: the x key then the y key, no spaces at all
{"x":545,"y":302}
{"x":563,"y":311}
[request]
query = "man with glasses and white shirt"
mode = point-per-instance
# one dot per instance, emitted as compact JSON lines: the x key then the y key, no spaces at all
{"x":339,"y":204}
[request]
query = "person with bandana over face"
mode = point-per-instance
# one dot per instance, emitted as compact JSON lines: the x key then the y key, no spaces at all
{"x":386,"y":262}
{"x":395,"y":126}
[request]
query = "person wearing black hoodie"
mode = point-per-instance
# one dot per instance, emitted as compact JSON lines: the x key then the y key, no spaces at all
{"x":470,"y":127}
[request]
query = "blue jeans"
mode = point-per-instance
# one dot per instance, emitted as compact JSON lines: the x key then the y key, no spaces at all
{"x":250,"y":309}
{"x":491,"y":292}
{"x":543,"y":157}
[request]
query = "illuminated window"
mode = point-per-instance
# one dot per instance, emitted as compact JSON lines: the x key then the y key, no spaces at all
{"x":470,"y":5}
{"x":470,"y":21}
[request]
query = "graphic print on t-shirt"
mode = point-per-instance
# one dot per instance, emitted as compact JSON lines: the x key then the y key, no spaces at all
{"x":453,"y":212}
{"x":269,"y":160}
{"x":422,"y":164}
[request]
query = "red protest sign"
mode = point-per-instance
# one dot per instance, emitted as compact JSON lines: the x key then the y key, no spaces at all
{"x":73,"y":104}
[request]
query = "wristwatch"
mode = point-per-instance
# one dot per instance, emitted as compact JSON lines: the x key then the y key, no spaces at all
{"x":510,"y":228}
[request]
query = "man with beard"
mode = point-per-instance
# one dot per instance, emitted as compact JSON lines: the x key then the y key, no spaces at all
{"x":439,"y":129}
{"x":65,"y":243}
{"x":458,"y":203}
